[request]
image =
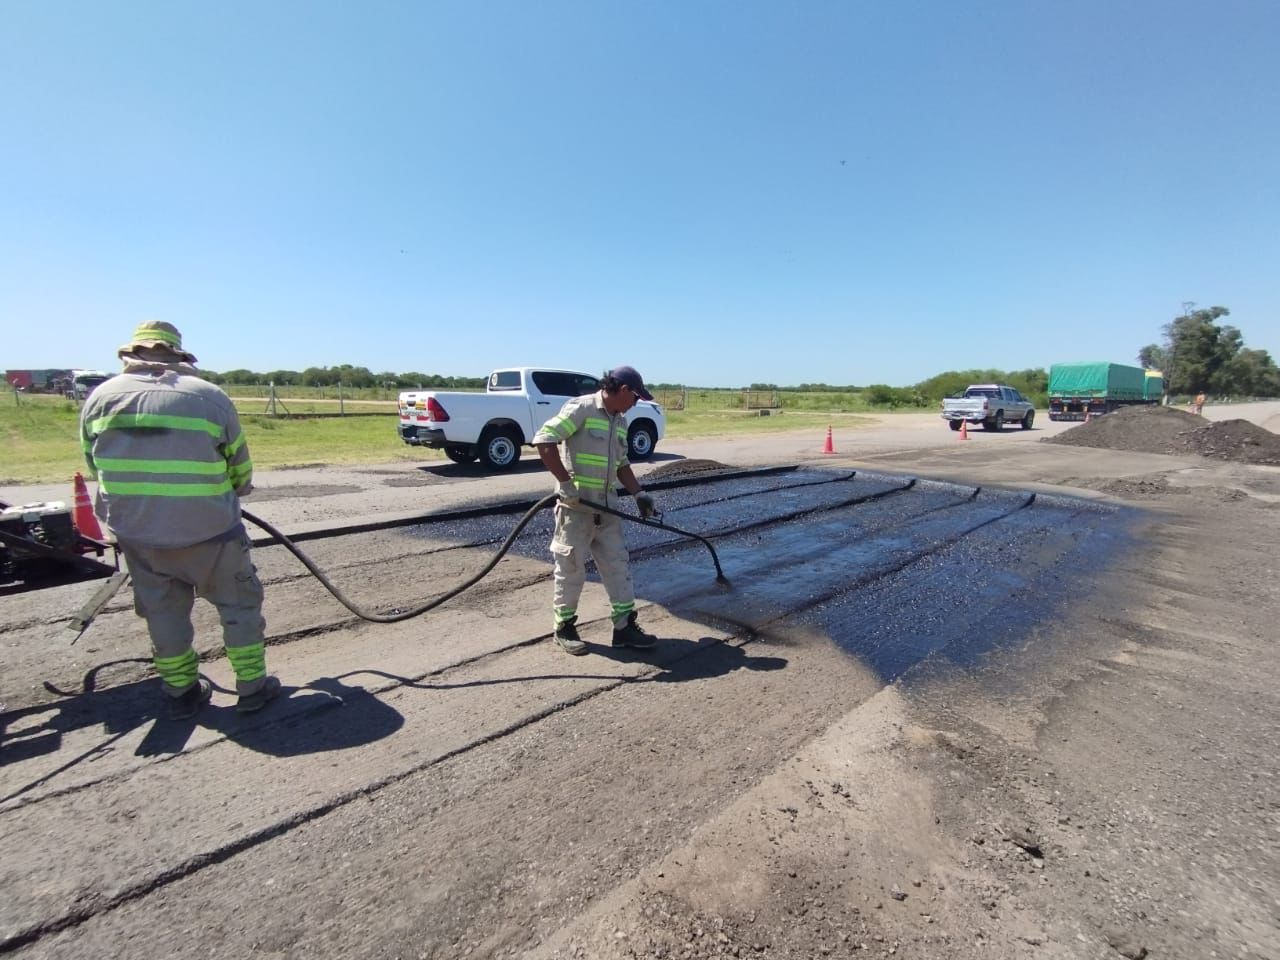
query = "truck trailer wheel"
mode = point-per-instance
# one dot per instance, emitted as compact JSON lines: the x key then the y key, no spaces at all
{"x":461,"y":453}
{"x":499,"y":448}
{"x":954,"y":424}
{"x":641,"y":439}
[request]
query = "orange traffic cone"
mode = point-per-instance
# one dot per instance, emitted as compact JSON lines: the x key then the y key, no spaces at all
{"x":827,"y":447}
{"x":84,"y":519}
{"x":964,"y":429}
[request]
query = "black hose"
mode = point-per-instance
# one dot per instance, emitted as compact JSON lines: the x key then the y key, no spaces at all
{"x":650,"y":522}
{"x":542,"y":504}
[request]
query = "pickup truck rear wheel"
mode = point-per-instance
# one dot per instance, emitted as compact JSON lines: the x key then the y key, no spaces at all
{"x":996,"y":423}
{"x":954,"y":424}
{"x":499,"y":448}
{"x":641,"y":439}
{"x":461,"y":453}
{"x":1028,"y":420}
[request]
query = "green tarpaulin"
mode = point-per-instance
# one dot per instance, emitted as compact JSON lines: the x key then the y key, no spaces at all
{"x":1114,"y":381}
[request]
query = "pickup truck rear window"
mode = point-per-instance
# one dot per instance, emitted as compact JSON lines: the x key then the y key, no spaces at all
{"x":982,"y":393}
{"x":505,"y":380}
{"x":564,"y":384}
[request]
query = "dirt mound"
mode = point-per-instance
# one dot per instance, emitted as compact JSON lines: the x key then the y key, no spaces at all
{"x":1237,"y":440}
{"x":1169,"y":430}
{"x":1134,"y":429}
{"x":682,"y":468}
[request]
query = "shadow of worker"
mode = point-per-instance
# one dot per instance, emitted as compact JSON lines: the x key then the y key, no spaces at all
{"x":323,"y":715}
{"x":682,"y":660}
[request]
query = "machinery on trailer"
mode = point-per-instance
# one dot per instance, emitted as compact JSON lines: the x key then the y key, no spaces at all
{"x":40,"y":546}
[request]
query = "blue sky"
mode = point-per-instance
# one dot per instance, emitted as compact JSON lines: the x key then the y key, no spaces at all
{"x":718,"y":193}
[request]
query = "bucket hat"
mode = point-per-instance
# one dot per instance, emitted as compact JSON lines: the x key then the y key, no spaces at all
{"x":158,"y":335}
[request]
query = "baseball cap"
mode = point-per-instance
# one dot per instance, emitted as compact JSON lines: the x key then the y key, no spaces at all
{"x":632,"y":379}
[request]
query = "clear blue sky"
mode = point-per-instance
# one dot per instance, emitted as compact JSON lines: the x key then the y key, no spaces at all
{"x":718,"y":193}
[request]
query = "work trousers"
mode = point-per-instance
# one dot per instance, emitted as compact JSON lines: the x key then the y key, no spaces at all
{"x":165,"y":585}
{"x":581,"y":534}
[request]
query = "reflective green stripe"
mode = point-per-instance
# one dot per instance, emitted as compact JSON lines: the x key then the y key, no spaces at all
{"x":621,"y":432}
{"x":561,"y":426}
{"x":596,"y":422}
{"x":152,"y":332}
{"x":180,"y":671}
{"x":153,"y":421}
{"x":200,"y":467}
{"x":620,"y":608}
{"x":591,"y":458}
{"x":238,"y":475}
{"x":249,"y":663}
{"x":234,"y":447}
{"x":591,"y":483}
{"x":565,"y":614}
{"x":126,"y":488}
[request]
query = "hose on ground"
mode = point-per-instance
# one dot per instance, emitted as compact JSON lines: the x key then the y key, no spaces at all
{"x":502,"y":551}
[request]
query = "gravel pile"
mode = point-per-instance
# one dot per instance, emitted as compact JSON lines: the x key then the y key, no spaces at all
{"x":1134,"y":429}
{"x":1170,"y":430}
{"x":1237,"y":440}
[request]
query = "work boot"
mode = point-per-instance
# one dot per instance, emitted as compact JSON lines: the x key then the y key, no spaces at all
{"x":630,"y":635}
{"x":567,"y":638}
{"x":188,"y":703}
{"x":253,"y":702}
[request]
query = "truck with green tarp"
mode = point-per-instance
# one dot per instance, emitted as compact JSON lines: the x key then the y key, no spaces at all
{"x":1078,"y":391}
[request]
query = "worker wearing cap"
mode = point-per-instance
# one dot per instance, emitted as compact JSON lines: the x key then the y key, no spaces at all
{"x":585,"y":448}
{"x":171,"y":463}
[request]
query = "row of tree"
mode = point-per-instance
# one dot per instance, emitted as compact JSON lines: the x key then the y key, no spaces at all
{"x":1199,"y":355}
{"x":344,"y":374}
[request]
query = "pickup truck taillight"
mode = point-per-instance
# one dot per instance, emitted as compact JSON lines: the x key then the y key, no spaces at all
{"x":435,"y":412}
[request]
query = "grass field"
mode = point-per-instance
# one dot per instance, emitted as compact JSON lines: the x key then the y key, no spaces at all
{"x":40,"y":433}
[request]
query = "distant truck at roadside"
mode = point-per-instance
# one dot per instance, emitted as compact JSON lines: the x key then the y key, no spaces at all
{"x":1091,"y":389}
{"x":990,"y":404}
{"x":494,"y":425}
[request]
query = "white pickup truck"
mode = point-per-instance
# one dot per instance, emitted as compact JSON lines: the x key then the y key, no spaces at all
{"x":991,"y":405}
{"x":494,"y":425}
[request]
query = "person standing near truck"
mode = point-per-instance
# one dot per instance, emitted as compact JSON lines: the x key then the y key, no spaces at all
{"x":585,"y":448}
{"x":1198,"y":406}
{"x":171,"y":463}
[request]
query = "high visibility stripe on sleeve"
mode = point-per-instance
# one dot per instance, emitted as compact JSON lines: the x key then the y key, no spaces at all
{"x":131,"y":488}
{"x":153,"y":421}
{"x":234,"y":447}
{"x":561,"y":426}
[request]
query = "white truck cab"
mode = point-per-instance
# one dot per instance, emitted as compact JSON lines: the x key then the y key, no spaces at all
{"x":492,"y":426}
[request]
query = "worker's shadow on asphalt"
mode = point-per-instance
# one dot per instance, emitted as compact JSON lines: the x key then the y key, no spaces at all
{"x":683,"y":660}
{"x":285,"y":727}
{"x":674,"y":660}
{"x":306,"y":722}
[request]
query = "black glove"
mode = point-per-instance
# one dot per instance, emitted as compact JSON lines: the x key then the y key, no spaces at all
{"x":646,"y":506}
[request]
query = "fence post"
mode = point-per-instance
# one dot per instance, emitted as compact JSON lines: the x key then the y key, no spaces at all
{"x":341,"y":409}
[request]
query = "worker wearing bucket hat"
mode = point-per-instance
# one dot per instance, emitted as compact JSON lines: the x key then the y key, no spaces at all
{"x":585,"y":448}
{"x":171,"y":462}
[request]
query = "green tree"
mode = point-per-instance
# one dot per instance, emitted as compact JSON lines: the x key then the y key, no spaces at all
{"x":1199,"y":355}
